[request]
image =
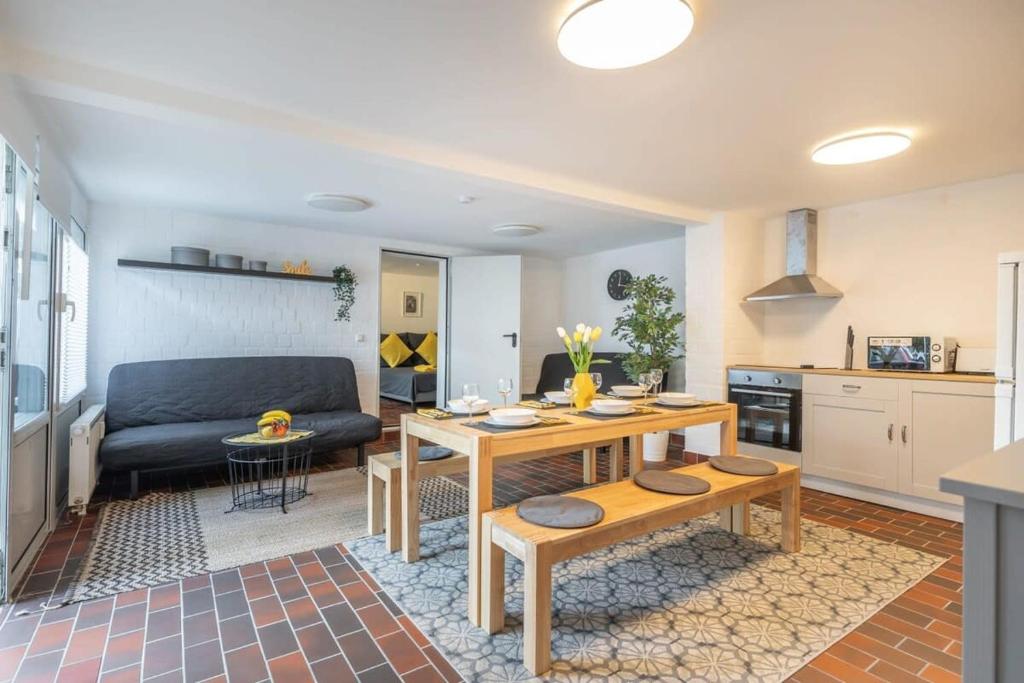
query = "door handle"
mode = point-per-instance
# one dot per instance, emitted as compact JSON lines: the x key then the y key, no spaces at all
{"x":514,"y":336}
{"x":891,"y":425}
{"x":851,"y":387}
{"x":903,"y":433}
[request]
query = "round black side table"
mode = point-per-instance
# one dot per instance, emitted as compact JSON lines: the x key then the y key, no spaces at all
{"x":268,"y":473}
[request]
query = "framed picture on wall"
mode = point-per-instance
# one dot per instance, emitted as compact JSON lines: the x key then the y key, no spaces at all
{"x":412,"y":304}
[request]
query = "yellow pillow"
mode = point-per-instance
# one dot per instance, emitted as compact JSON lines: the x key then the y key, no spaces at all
{"x":394,"y":351}
{"x":428,"y":348}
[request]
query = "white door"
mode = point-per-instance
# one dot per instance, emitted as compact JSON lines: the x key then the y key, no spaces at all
{"x":484,"y":320}
{"x":1009,"y":412}
{"x":851,"y":439}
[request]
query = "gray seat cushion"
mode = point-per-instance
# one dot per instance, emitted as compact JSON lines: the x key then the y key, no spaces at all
{"x":188,"y":444}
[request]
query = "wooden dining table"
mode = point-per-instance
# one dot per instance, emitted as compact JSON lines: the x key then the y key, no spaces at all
{"x":487,"y":449}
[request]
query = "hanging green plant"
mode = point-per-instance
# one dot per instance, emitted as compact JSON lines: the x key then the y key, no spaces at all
{"x":345,"y":282}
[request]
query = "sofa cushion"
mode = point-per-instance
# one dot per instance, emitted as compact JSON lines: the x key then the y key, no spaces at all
{"x":212,"y":389}
{"x":199,"y":443}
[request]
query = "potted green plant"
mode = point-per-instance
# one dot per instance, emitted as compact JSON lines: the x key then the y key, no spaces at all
{"x":650,"y":326}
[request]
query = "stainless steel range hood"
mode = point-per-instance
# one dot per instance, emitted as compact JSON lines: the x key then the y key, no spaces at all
{"x":801,"y":280}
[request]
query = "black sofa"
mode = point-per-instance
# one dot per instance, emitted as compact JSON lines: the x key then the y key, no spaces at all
{"x":556,"y":367}
{"x":172,"y":414}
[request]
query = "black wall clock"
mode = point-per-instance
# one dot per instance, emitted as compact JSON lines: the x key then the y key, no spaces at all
{"x":617,"y":282}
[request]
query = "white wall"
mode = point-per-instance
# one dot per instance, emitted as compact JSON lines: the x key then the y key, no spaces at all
{"x":919,"y":263}
{"x":723,"y":264}
{"x":20,"y":126}
{"x":392,"y":287}
{"x":585,"y":288}
{"x":146,"y":315}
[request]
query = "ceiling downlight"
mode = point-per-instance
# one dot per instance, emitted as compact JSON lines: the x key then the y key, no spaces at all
{"x":326,"y":201}
{"x":861,"y":148}
{"x":617,"y":34}
{"x":515,"y":230}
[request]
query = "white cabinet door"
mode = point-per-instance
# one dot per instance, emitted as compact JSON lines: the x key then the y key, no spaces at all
{"x":851,"y":439}
{"x":946,"y":425}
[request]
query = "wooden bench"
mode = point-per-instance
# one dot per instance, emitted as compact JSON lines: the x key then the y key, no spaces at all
{"x":384,"y":483}
{"x":630,"y":511}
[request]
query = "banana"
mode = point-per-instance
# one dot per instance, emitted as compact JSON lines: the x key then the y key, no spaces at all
{"x":266,"y":421}
{"x":278,"y":413}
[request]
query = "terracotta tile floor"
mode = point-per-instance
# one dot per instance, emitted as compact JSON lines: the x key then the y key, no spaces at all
{"x":318,"y":616}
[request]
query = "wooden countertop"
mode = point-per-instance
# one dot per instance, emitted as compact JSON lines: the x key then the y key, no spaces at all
{"x":881,"y":374}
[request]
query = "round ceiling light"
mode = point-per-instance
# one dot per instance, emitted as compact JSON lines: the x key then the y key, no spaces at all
{"x":857,"y":149}
{"x":515,"y":230}
{"x":616,"y":34}
{"x":326,"y":201}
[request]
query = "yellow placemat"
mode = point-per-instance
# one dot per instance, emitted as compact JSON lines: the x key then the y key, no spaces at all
{"x":538,"y":405}
{"x":255,"y":438}
{"x":434,"y":413}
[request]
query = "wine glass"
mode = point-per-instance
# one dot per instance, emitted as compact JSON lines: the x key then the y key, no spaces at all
{"x":644,"y":379}
{"x":570,"y":390}
{"x":505,"y":388}
{"x":470,"y":395}
{"x":596,"y":378}
{"x":656,"y":376}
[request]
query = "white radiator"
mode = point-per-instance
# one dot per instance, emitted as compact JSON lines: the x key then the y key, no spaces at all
{"x":86,"y":433}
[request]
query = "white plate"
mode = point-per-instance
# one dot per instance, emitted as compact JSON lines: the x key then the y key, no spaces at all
{"x":627,"y":390}
{"x":629,"y":410}
{"x":677,"y":404}
{"x":458,"y":407}
{"x":505,"y":425}
{"x":677,"y":396}
{"x":559,"y":397}
{"x":513,"y":416}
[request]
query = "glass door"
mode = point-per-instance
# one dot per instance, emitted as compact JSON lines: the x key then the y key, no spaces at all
{"x":14,"y":211}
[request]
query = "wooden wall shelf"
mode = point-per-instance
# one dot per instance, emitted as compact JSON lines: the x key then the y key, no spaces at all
{"x":211,"y":270}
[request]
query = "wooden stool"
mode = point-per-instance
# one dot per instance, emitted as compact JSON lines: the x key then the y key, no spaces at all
{"x":384,"y":496}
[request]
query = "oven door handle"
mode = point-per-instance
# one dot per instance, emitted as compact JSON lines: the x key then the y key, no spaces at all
{"x":757,"y":392}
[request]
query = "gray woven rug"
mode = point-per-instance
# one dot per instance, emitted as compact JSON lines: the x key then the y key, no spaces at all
{"x":690,"y":603}
{"x":164,"y":537}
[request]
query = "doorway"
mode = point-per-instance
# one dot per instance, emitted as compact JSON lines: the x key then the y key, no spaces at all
{"x":413,"y":326}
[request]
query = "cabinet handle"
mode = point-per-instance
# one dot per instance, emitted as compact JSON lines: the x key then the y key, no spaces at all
{"x":903,"y":433}
{"x":890,"y":431}
{"x":851,"y":387}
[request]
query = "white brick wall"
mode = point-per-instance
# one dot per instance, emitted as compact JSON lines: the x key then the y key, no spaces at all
{"x":147,"y":315}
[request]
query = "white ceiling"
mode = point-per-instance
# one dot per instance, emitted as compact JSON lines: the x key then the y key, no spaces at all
{"x":727,"y":121}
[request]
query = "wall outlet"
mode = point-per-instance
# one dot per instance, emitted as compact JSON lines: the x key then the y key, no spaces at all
{"x":360,"y":338}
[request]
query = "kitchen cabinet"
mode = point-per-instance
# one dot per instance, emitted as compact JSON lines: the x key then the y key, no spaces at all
{"x":851,"y":439}
{"x":897,"y":435}
{"x":946,"y":425}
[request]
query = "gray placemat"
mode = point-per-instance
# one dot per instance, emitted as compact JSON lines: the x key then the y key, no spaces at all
{"x":431,"y":453}
{"x":741,"y":464}
{"x":560,"y":512}
{"x":671,"y":482}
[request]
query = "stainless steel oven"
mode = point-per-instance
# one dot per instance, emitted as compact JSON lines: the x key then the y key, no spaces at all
{"x":770,"y":407}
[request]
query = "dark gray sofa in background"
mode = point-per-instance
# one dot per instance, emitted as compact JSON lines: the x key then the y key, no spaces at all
{"x":173,"y":413}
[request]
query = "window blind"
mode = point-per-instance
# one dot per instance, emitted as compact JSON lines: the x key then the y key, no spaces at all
{"x":74,"y":320}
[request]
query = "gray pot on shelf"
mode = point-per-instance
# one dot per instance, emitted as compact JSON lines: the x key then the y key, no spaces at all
{"x":229,"y":261}
{"x":258,"y":265}
{"x":190,"y":256}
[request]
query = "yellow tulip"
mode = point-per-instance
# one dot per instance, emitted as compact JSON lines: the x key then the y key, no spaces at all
{"x":596,"y":334}
{"x":577,"y":337}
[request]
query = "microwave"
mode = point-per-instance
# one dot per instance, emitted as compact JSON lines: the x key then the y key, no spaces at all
{"x":912,"y":354}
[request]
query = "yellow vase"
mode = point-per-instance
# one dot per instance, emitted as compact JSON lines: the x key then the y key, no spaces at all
{"x":585,"y":390}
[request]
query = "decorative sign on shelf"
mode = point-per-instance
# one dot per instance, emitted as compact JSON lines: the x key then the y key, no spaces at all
{"x":301,"y":269}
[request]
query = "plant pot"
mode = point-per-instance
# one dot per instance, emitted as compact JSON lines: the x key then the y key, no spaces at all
{"x":585,"y":390}
{"x":656,"y":446}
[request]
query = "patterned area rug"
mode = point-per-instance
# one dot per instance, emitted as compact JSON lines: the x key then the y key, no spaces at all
{"x":690,"y":603}
{"x":164,"y":537}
